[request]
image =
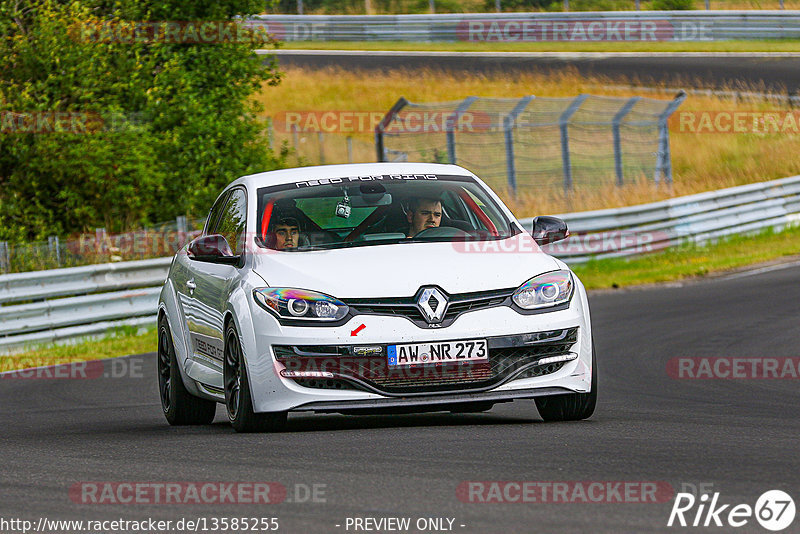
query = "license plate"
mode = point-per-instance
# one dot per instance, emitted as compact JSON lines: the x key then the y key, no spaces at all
{"x":473,"y":350}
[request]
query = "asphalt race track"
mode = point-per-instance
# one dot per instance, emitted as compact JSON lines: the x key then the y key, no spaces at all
{"x":776,"y":73}
{"x":738,"y":437}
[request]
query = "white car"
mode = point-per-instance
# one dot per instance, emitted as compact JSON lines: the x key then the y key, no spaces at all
{"x":371,"y":288}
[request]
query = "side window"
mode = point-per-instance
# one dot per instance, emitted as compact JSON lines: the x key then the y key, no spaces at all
{"x":233,"y":220}
{"x":454,"y":206}
{"x":213,"y":215}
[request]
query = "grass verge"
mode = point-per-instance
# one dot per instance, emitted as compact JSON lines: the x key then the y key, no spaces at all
{"x":118,"y":342}
{"x":776,"y":45}
{"x":690,"y":261}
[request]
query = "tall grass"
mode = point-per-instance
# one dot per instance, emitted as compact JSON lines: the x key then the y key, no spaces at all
{"x":701,"y":162}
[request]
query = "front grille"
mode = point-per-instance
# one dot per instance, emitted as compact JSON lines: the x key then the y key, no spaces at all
{"x":508,"y":357}
{"x":407,"y":307}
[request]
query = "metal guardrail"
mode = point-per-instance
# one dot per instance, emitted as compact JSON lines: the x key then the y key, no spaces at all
{"x":533,"y":27}
{"x":695,"y":218}
{"x":95,"y":298}
{"x":35,"y":285}
{"x":99,"y":297}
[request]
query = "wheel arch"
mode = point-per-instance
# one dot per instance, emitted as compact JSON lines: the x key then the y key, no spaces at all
{"x":239,"y":314}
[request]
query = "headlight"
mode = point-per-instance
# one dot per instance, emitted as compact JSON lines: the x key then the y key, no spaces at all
{"x":545,"y":290}
{"x":290,"y":303}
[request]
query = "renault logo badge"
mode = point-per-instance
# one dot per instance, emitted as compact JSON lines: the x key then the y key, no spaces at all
{"x":433,"y":304}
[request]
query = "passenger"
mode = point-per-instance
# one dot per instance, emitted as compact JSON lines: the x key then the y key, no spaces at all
{"x":423,"y":213}
{"x":287,"y":233}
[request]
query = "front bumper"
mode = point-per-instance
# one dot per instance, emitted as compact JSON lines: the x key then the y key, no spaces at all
{"x":425,"y":403}
{"x":272,"y":392}
{"x":365,"y":367}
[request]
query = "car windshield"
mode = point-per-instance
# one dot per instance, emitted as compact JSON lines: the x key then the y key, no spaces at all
{"x":373,"y":210}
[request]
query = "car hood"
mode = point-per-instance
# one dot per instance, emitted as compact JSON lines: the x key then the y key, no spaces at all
{"x":399,"y":270}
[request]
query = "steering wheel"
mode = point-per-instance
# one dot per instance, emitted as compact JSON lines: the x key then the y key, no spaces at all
{"x":441,"y":231}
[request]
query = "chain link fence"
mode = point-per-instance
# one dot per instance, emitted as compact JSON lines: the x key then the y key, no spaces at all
{"x":99,"y":247}
{"x":313,"y":147}
{"x":547,"y":143}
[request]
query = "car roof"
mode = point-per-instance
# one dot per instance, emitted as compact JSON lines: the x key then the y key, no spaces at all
{"x":287,"y":176}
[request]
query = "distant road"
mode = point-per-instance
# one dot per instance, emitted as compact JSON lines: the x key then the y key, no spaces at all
{"x":773,"y":72}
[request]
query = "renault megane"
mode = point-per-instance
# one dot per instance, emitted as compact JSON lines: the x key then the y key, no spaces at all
{"x":386,"y":287}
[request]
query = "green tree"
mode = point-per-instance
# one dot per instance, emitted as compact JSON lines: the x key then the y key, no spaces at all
{"x":150,"y":129}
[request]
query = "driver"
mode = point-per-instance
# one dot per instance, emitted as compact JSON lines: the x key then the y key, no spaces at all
{"x":287,"y":233}
{"x":423,"y":213}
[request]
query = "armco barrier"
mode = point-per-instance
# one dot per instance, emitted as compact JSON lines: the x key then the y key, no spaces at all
{"x":80,"y":280}
{"x":98,"y":297}
{"x":697,"y":218}
{"x":62,"y":304}
{"x":533,"y":27}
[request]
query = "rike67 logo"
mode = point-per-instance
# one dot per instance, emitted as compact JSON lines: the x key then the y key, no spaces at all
{"x":774,"y":510}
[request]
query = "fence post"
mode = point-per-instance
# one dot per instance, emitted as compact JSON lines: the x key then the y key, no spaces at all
{"x":509,"y":121}
{"x":55,"y":249}
{"x":5,"y":260}
{"x":299,"y":7}
{"x":615,"y":124}
{"x":563,"y":122}
{"x":180,"y":226}
{"x":349,"y":149}
{"x":450,"y":125}
{"x":100,"y":240}
{"x":566,"y":5}
{"x":664,"y":158}
{"x":270,"y":133}
{"x":432,"y":6}
{"x":497,"y":6}
{"x":321,"y":143}
{"x":380,"y":129}
{"x":379,"y":148}
{"x":639,"y":7}
{"x":295,"y":137}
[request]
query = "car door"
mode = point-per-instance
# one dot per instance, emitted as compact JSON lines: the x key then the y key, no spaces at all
{"x":206,"y":293}
{"x":183,"y":276}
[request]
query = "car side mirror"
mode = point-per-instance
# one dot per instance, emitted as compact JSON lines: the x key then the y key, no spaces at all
{"x":212,"y":249}
{"x":547,"y":229}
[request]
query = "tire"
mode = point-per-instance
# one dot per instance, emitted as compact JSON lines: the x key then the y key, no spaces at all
{"x":180,"y":407}
{"x":238,"y":401}
{"x":572,"y":406}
